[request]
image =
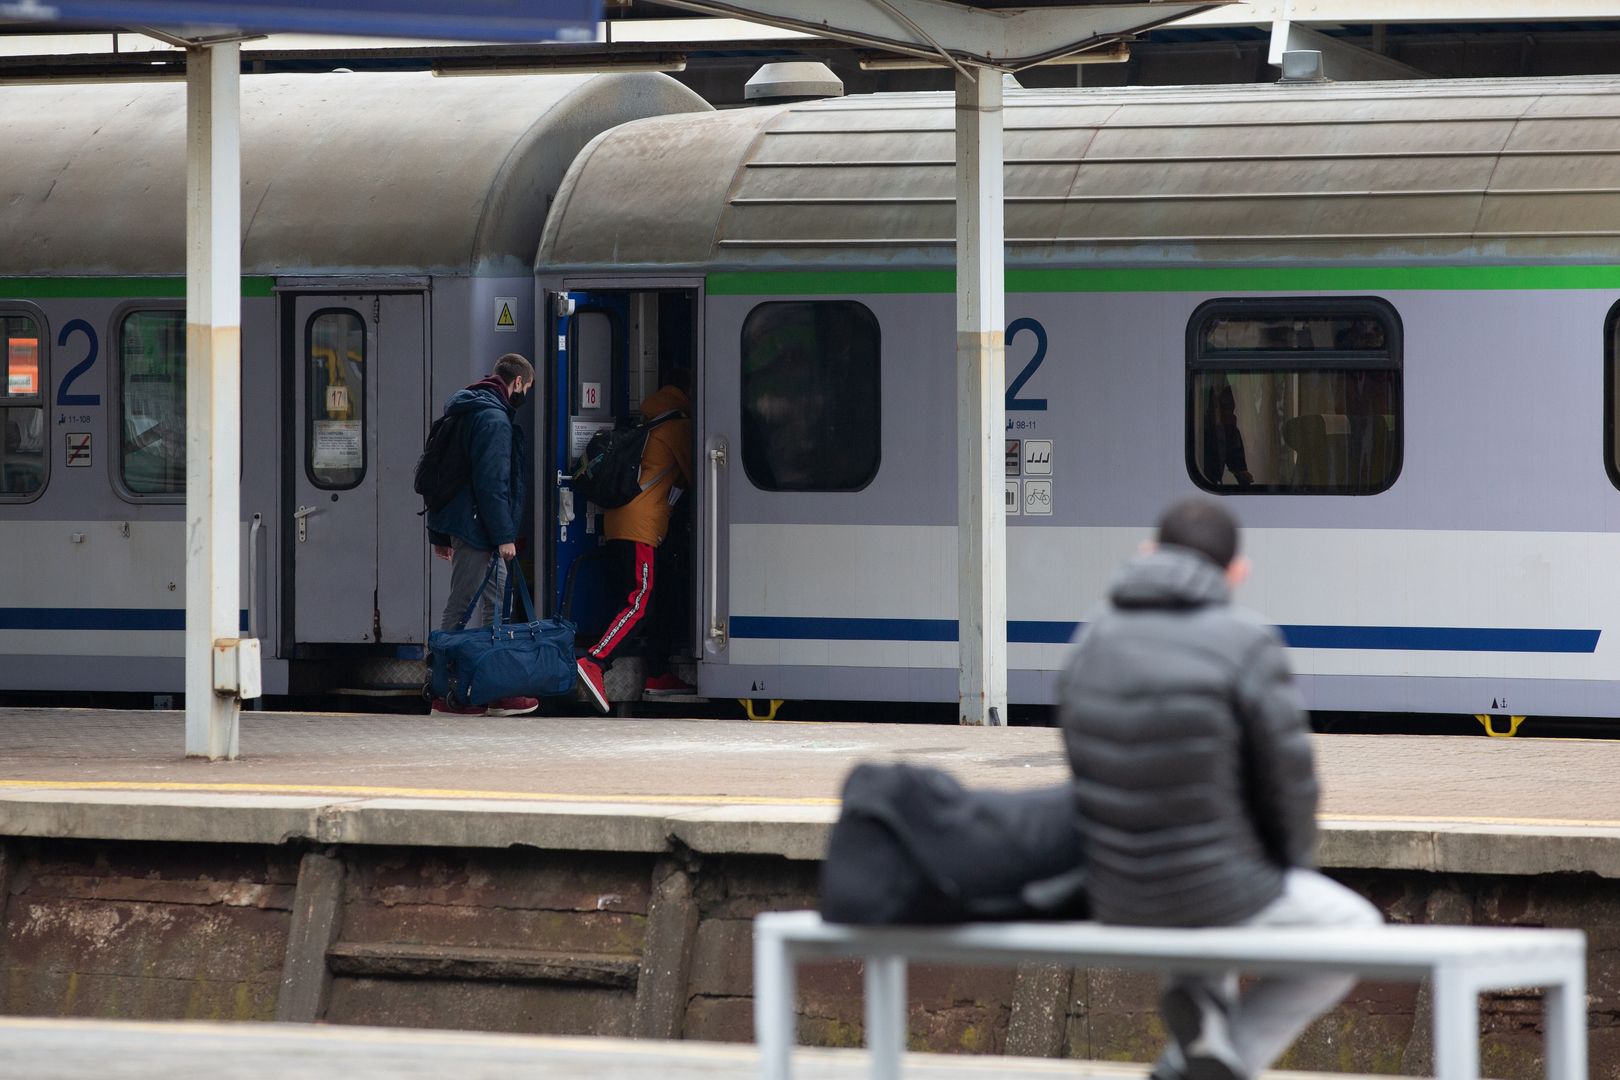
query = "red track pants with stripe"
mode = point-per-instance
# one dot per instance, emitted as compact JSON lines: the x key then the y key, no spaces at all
{"x":636,"y":606}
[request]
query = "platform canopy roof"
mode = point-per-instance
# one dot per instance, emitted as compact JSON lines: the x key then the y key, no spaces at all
{"x":1008,"y":34}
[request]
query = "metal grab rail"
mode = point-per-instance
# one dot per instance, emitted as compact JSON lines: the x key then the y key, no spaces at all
{"x":717,"y":462}
{"x":253,"y":575}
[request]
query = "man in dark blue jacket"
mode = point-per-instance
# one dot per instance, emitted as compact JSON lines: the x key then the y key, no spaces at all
{"x":482,"y":520}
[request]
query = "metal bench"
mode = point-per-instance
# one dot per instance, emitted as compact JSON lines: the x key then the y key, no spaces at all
{"x":1461,"y":961}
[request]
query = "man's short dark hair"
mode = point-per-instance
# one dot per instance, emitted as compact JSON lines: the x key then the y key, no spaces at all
{"x":1202,"y":526}
{"x":512,"y":367}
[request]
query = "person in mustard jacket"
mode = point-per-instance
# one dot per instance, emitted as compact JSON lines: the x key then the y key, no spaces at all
{"x":633,"y":534}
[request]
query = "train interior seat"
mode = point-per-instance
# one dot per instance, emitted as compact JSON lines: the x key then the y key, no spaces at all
{"x":1333,"y":450}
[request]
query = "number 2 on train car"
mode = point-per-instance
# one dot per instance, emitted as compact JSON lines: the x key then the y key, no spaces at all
{"x":1014,"y":402}
{"x":78,"y":326}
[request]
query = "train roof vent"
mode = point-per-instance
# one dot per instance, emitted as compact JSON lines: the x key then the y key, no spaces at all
{"x":793,"y":81}
{"x":1302,"y":66}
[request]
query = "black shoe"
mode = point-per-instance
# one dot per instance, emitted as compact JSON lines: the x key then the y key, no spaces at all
{"x":1198,"y":1020}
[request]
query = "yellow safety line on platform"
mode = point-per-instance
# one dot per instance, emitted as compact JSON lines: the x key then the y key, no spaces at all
{"x":409,"y":793}
{"x":661,"y":800}
{"x":1445,"y":819}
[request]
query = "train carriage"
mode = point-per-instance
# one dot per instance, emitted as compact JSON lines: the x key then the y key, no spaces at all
{"x":389,"y":229}
{"x":1378,"y":319}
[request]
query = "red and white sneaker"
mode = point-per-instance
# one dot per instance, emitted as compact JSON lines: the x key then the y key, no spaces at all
{"x":441,"y":707}
{"x":668,"y":684}
{"x":590,"y":676}
{"x":512,"y":706}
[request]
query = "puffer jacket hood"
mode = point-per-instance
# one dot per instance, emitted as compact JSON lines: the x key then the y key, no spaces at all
{"x":663,"y":400}
{"x":1169,"y":577}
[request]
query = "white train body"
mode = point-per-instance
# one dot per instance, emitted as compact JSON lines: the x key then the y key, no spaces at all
{"x":1409,"y":291}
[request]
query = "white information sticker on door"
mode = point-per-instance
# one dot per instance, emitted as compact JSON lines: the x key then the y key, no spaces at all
{"x":590,"y":395}
{"x":337,"y":399}
{"x":336,"y":445}
{"x":506,"y":314}
{"x":1015,"y":498}
{"x":579,"y":433}
{"x":1037,"y":496}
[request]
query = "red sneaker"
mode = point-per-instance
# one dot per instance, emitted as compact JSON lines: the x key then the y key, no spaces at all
{"x":441,"y":707}
{"x":591,"y":676}
{"x":511,"y":706}
{"x":668,"y":684}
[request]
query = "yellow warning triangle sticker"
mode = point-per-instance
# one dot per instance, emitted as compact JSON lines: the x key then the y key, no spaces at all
{"x":506,"y":316}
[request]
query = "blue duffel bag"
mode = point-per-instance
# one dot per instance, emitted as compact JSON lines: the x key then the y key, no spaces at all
{"x":509,"y":659}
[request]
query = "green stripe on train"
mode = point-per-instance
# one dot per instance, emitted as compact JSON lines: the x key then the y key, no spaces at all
{"x":1202,"y":280}
{"x":115,"y":288}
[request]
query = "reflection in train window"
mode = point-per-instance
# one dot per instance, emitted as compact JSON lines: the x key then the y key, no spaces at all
{"x":22,"y":408}
{"x":1298,"y":397}
{"x":810,"y":396}
{"x":335,"y":399}
{"x":152,"y":390}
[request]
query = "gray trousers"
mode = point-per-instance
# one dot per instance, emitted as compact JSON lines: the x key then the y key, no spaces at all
{"x":468,"y":565}
{"x":1269,"y":1017}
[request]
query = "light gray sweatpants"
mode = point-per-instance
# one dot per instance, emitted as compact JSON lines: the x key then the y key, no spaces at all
{"x":468,"y":565}
{"x":1266,"y":1019}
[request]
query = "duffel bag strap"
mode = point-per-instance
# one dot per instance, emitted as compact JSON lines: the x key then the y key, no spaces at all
{"x":515,"y":582}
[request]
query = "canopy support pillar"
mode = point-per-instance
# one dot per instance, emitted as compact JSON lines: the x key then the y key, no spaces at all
{"x":981,"y":325}
{"x":213,"y":390}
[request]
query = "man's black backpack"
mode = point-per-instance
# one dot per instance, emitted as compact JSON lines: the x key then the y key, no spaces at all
{"x":609,"y":472}
{"x":443,"y":468}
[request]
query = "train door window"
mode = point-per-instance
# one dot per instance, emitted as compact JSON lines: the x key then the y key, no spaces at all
{"x":335,"y":399}
{"x":1294,"y":397}
{"x":23,"y":460}
{"x":810,"y":396}
{"x":152,"y":393}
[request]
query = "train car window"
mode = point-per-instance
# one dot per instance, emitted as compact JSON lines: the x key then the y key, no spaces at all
{"x":1611,"y":395}
{"x":152,"y":392}
{"x":23,"y":461}
{"x":335,"y":399}
{"x":810,"y":396}
{"x":1294,"y":397}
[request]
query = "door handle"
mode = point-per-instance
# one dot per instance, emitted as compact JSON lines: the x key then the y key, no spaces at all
{"x":717,"y":464}
{"x":301,"y":515}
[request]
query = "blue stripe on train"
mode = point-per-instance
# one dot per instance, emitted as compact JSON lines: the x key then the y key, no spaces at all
{"x":44,"y":618}
{"x":1408,"y":638}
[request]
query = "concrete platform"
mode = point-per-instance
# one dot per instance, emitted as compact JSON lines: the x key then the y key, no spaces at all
{"x":1491,"y":806}
{"x":98,"y":1050}
{"x":563,"y":877}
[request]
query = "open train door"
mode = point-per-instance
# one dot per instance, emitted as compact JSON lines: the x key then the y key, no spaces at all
{"x":588,"y":357}
{"x":607,"y":350}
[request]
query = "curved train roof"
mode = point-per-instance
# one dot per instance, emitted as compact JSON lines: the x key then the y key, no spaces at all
{"x":1489,"y":169}
{"x":389,"y":173}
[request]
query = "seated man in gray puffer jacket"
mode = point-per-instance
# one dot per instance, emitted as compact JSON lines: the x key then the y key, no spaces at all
{"x":1195,"y":788}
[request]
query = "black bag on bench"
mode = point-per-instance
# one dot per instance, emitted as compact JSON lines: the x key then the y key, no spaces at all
{"x":912,"y":845}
